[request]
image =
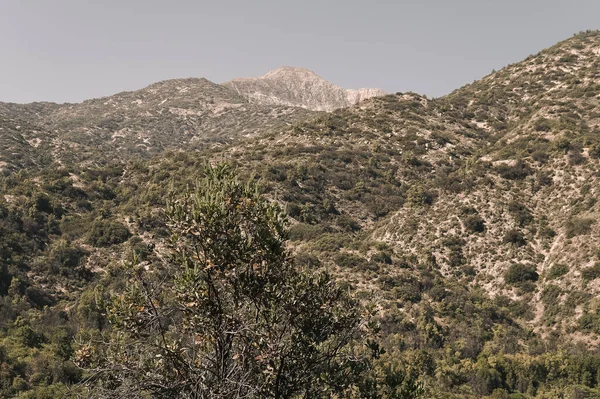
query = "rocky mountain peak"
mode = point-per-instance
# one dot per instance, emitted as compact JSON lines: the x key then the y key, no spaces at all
{"x":299,"y":87}
{"x":288,"y":72}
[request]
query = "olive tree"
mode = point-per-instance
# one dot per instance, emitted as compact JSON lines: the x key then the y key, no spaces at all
{"x":228,"y":314}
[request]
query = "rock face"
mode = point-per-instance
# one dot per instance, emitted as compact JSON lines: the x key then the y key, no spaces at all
{"x":299,"y":87}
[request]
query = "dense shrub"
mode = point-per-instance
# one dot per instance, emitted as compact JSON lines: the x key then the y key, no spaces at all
{"x":404,"y":288}
{"x":455,"y":245}
{"x":540,"y":156}
{"x":557,"y":270}
{"x":550,"y":296}
{"x":576,"y":157}
{"x":409,"y":292}
{"x":518,"y":171}
{"x":306,"y":259}
{"x":562,"y":145}
{"x":382,"y":257}
{"x":348,"y":260}
{"x":578,"y":226}
{"x":380,"y":207}
{"x":418,"y":196}
{"x":543,"y":125}
{"x":515,"y":237}
{"x":474,"y":224}
{"x":589,"y":322}
{"x":347,"y":223}
{"x":519,"y":273}
{"x":303,"y":231}
{"x":591,"y":273}
{"x":74,"y":227}
{"x":544,"y":178}
{"x":65,"y":259}
{"x":105,"y":233}
{"x":293,"y":210}
{"x":42,"y":203}
{"x":520,"y":212}
{"x":594,"y":151}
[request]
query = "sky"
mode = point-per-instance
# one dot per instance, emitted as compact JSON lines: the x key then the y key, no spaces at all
{"x":71,"y":50}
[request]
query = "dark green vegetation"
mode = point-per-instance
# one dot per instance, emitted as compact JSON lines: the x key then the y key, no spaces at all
{"x":231,"y":316}
{"x":466,"y":225}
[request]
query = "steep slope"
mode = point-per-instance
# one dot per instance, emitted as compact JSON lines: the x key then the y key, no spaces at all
{"x":531,"y":204}
{"x":496,"y":184}
{"x":299,"y":87}
{"x":24,"y":145}
{"x":170,"y":115}
{"x":559,"y":83}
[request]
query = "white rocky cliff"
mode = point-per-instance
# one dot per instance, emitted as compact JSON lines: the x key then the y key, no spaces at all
{"x":299,"y":87}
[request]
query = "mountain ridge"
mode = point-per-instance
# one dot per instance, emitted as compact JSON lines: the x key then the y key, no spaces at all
{"x":174,"y":114}
{"x":299,"y":87}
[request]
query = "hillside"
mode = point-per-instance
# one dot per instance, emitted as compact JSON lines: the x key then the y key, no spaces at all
{"x":469,"y":222}
{"x":170,"y":115}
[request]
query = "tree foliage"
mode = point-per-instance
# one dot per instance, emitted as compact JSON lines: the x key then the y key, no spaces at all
{"x":230,"y":315}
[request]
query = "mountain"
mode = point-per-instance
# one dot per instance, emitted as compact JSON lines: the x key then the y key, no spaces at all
{"x":169,"y":115}
{"x":299,"y":87}
{"x":469,"y":222}
{"x":499,"y":178}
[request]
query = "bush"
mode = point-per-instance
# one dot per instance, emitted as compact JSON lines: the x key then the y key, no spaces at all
{"x":543,"y":125}
{"x":474,"y":224}
{"x":520,"y":213}
{"x":578,"y":226}
{"x":308,"y":260}
{"x":347,"y":223}
{"x":232,"y":295}
{"x":293,"y":210}
{"x":455,"y":245}
{"x":404,"y":288}
{"x":417,"y":196}
{"x":591,"y":273}
{"x":519,"y":273}
{"x":544,"y":178}
{"x":514,"y":237}
{"x":139,"y":248}
{"x":557,"y":270}
{"x":576,"y":157}
{"x":303,"y":231}
{"x":382,"y":257}
{"x":550,"y":296}
{"x":518,"y":171}
{"x":65,"y":259}
{"x":594,"y":151}
{"x":105,"y":233}
{"x":562,"y":145}
{"x":30,"y":338}
{"x":42,"y":203}
{"x":540,"y":156}
{"x":408,"y":292}
{"x":348,"y":260}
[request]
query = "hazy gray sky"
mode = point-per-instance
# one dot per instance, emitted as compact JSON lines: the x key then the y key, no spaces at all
{"x":70,"y":50}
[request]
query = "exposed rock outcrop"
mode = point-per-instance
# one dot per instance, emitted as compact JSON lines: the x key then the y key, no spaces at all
{"x":299,"y":87}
